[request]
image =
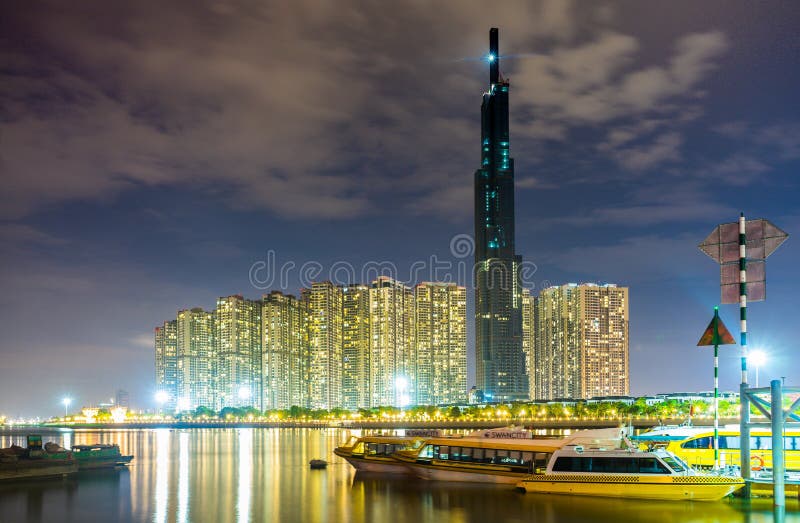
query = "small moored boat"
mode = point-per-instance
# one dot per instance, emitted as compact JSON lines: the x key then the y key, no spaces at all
{"x":374,"y":453}
{"x":36,"y":462}
{"x":99,"y":455}
{"x":317,"y":463}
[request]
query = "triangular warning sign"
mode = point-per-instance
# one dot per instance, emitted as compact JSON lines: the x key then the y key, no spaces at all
{"x":716,"y":333}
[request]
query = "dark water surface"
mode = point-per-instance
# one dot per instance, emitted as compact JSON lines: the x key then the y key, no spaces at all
{"x":239,"y":475}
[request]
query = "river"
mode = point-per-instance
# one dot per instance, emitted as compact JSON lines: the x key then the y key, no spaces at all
{"x":241,"y":475}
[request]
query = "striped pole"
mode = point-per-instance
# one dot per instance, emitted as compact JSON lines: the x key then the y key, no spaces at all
{"x":744,"y":401}
{"x":743,"y":294}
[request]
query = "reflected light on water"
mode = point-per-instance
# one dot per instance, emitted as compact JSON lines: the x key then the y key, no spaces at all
{"x":67,"y":440}
{"x":183,"y":477}
{"x":230,"y":475}
{"x":162,"y":475}
{"x":245,"y":475}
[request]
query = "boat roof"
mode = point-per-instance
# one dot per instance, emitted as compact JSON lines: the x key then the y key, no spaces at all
{"x":497,"y":439}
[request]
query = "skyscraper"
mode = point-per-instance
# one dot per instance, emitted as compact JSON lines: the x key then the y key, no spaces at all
{"x":166,"y":348}
{"x":440,"y":362}
{"x":197,"y":360}
{"x":528,"y":339}
{"x":581,"y":342}
{"x":324,"y":345}
{"x":391,"y":310}
{"x":355,"y":346}
{"x":238,"y":335}
{"x":500,"y":362}
{"x":284,"y":349}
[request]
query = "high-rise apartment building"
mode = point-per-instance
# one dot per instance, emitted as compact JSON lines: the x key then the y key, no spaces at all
{"x":355,"y":347}
{"x":284,"y":352}
{"x":528,"y":337}
{"x":238,"y":335}
{"x":440,"y":361}
{"x":324,"y":345}
{"x":197,"y":360}
{"x":581,"y":342}
{"x":391,"y":310}
{"x":499,"y":358}
{"x":166,"y":348}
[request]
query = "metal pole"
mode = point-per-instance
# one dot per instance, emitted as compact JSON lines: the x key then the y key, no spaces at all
{"x":715,"y":337}
{"x":778,"y":464}
{"x":716,"y":404}
{"x":744,"y":417}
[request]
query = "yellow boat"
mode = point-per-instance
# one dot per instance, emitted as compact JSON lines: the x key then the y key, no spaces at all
{"x":698,"y":448}
{"x":374,"y":453}
{"x":632,"y":474}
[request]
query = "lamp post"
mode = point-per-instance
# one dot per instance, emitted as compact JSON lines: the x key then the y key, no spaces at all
{"x":758,"y":358}
{"x":66,"y":402}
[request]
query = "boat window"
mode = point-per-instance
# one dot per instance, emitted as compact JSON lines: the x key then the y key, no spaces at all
{"x":572,"y":464}
{"x":444,"y":452}
{"x":466,"y":454}
{"x":616,"y":465}
{"x":729,"y":442}
{"x":527,"y":458}
{"x":477,"y":456}
{"x":455,"y":453}
{"x":489,"y":456}
{"x":540,"y":461}
{"x":673,"y":463}
{"x":516,"y":456}
{"x":790,"y":442}
{"x":761,"y":442}
{"x":706,"y":442}
{"x":652,"y":466}
{"x":426,"y":452}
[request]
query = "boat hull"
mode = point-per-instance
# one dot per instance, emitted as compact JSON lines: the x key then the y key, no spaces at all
{"x":384,"y":467}
{"x":103,"y":463}
{"x":634,"y":487}
{"x":443,"y":473}
{"x":36,"y":470}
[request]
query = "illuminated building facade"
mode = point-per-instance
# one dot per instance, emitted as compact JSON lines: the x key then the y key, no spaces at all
{"x":581,"y":344}
{"x":355,"y":347}
{"x":391,"y":311}
{"x":440,"y":359}
{"x":166,"y":348}
{"x":197,"y":360}
{"x":324,"y":345}
{"x":528,"y":337}
{"x":238,"y":335}
{"x":284,"y":351}
{"x":499,"y":358}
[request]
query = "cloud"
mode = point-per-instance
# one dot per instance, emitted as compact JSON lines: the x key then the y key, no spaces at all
{"x":664,"y":148}
{"x":19,"y":233}
{"x":299,"y":108}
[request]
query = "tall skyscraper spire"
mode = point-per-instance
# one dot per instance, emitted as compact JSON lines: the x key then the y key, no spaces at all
{"x":494,"y":56}
{"x":500,"y":361}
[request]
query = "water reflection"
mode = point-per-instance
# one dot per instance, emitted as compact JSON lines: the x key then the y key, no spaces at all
{"x":244,"y":475}
{"x":183,"y":477}
{"x":162,"y":475}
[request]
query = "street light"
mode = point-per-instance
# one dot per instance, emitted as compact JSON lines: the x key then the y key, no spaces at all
{"x":758,"y":358}
{"x":66,"y":402}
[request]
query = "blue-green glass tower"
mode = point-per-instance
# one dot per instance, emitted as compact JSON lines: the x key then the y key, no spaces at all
{"x":500,"y":361}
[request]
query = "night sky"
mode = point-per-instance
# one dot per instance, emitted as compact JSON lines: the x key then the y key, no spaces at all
{"x":152,"y":152}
